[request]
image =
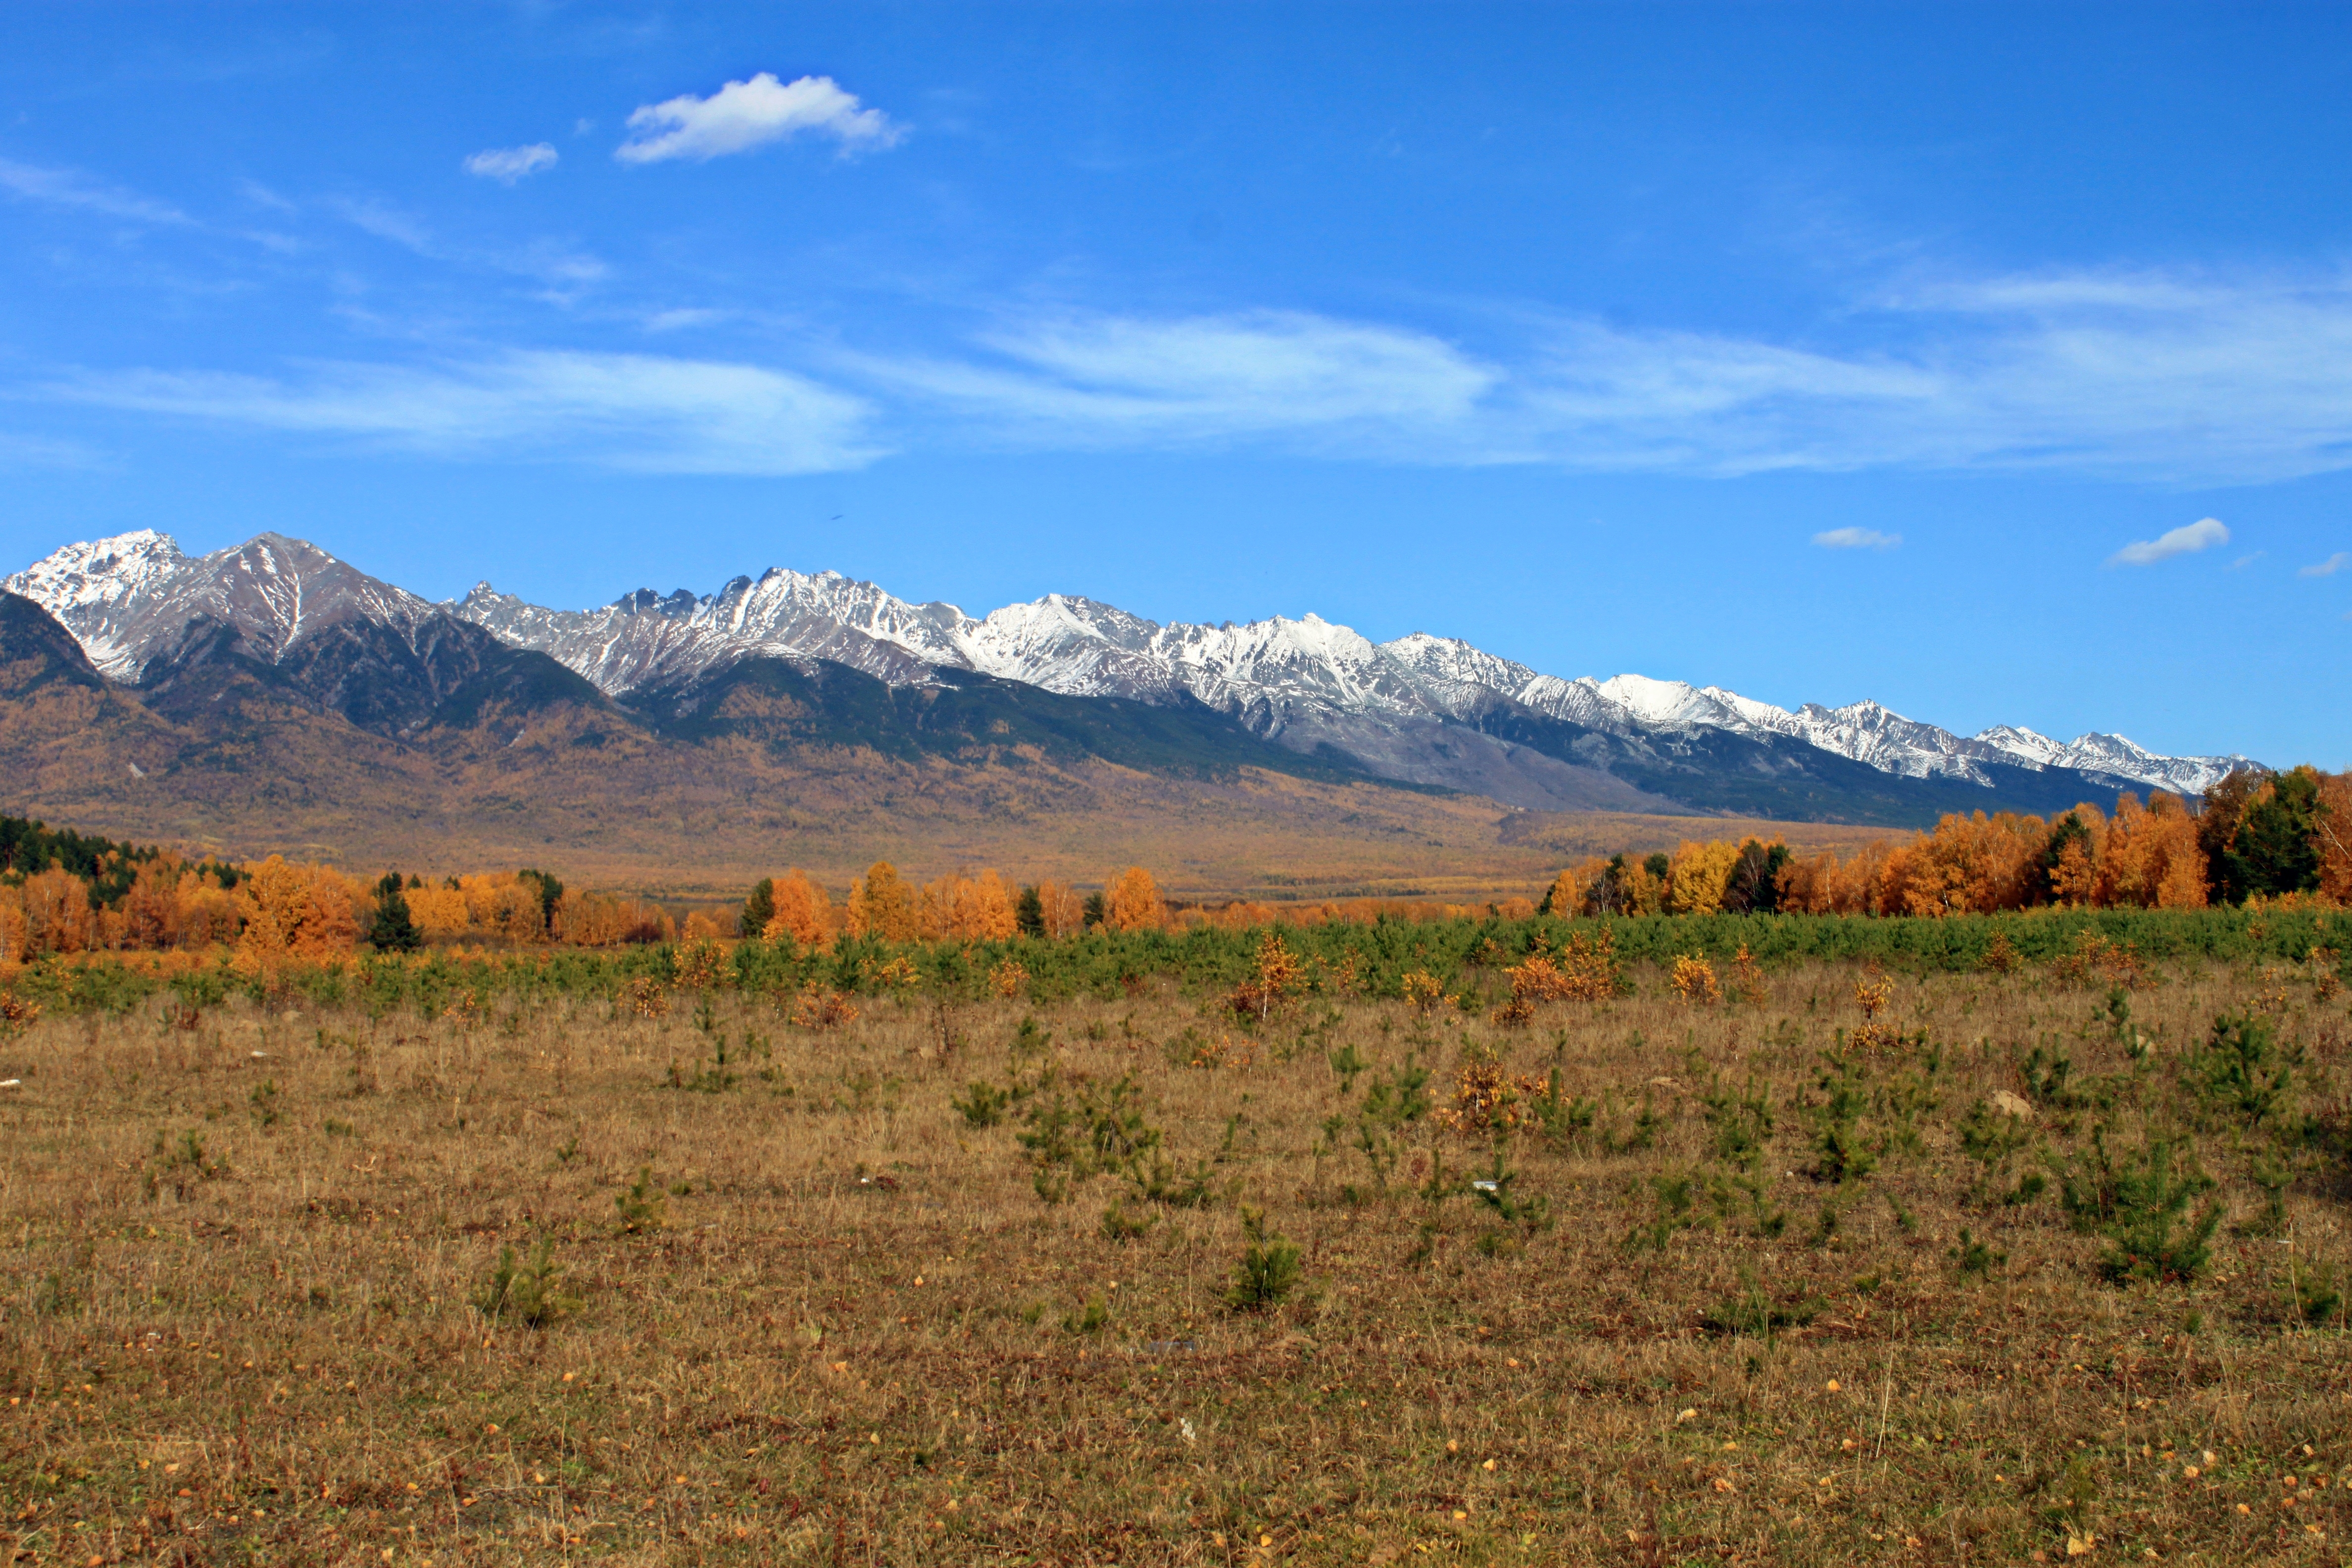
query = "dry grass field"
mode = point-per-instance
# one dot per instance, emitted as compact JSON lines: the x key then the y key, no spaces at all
{"x":1736,"y":1295}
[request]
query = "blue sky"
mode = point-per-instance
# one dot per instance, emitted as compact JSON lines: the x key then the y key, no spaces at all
{"x":1994,"y":363}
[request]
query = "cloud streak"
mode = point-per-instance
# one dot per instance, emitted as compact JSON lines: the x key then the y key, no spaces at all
{"x":2203,"y":534}
{"x":2135,"y":376}
{"x":508,"y":164}
{"x":1856,"y":539}
{"x":742,"y":115}
{"x":1104,"y":381}
{"x":68,"y":188}
{"x":2150,"y":376}
{"x":639,"y":413}
{"x":2328,"y":568}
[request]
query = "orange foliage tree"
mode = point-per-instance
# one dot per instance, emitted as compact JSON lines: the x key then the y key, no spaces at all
{"x":2334,"y":835}
{"x":803,"y":910}
{"x":970,"y":909}
{"x":2151,"y":859}
{"x":879,"y":906}
{"x":292,"y":910}
{"x":1132,"y":903}
{"x":1062,"y":910}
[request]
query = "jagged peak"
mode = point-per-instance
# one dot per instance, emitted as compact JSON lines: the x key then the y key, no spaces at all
{"x":120,"y":594}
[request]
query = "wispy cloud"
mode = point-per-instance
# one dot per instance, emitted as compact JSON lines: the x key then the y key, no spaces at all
{"x":68,"y":188}
{"x":508,"y":164}
{"x":43,"y":452}
{"x":1856,"y":539}
{"x":742,"y":115}
{"x":563,"y":272}
{"x":260,"y":195}
{"x":636,"y":412}
{"x":2135,"y":375}
{"x":382,"y":219}
{"x":1104,"y":380}
{"x":2242,"y":561}
{"x":2328,"y":568}
{"x":683,"y":317}
{"x":2203,"y":534}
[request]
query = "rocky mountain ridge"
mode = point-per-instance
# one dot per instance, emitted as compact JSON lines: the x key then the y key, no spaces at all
{"x":1421,"y":708}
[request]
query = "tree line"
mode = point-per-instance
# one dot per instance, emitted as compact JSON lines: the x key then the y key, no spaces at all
{"x":2255,"y":836}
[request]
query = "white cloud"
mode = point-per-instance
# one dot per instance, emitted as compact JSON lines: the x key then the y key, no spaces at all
{"x":2139,"y":376}
{"x":742,"y":115}
{"x":2242,"y":561}
{"x":42,"y":452}
{"x":385,"y":221}
{"x":2147,"y":375}
{"x":635,"y":411}
{"x":1856,"y":539}
{"x":64,"y":187}
{"x":562,"y":273}
{"x":508,"y":164}
{"x":2328,"y":568}
{"x":260,"y":195}
{"x":2203,"y":534}
{"x":684,"y":316}
{"x":1097,"y":380}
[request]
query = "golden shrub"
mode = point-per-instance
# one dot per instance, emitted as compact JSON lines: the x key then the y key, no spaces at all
{"x":644,"y":996}
{"x":1694,"y":980}
{"x":701,"y":964}
{"x":820,"y":1008}
{"x":1872,"y":992}
{"x":1421,"y":991}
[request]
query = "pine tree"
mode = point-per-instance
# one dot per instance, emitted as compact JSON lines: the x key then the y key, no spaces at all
{"x":392,"y":930}
{"x":550,"y":894}
{"x":1030,"y":912}
{"x":760,"y":908}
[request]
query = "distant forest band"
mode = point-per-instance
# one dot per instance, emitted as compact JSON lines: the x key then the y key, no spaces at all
{"x":2254,"y":836}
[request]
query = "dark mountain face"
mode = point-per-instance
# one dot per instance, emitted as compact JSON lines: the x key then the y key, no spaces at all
{"x":231,"y":649}
{"x":36,"y":652}
{"x":784,"y":703}
{"x":1774,"y":776}
{"x":387,"y":680}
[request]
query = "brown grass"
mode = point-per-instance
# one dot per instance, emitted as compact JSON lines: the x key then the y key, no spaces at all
{"x":860,"y":1335}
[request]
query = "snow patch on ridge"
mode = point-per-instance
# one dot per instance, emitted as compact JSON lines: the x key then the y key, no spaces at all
{"x":127,"y":596}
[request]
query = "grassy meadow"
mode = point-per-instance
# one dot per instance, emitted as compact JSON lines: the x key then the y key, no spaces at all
{"x":1885,"y":1259}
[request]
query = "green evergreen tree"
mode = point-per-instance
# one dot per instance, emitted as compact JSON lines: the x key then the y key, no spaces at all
{"x":760,"y":908}
{"x":1029,"y":913}
{"x":550,"y":894}
{"x":392,"y":930}
{"x":1755,"y":883}
{"x":2277,"y":849}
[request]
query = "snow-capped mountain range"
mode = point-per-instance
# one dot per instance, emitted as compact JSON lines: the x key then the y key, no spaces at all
{"x":1305,"y":682}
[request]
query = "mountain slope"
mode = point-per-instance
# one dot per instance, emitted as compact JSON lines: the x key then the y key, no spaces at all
{"x":1070,"y":675}
{"x":438,"y":671}
{"x":36,"y":652}
{"x":1287,"y":679}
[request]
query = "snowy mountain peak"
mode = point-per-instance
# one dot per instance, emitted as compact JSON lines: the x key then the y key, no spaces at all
{"x":125,"y":597}
{"x":1307,"y":680}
